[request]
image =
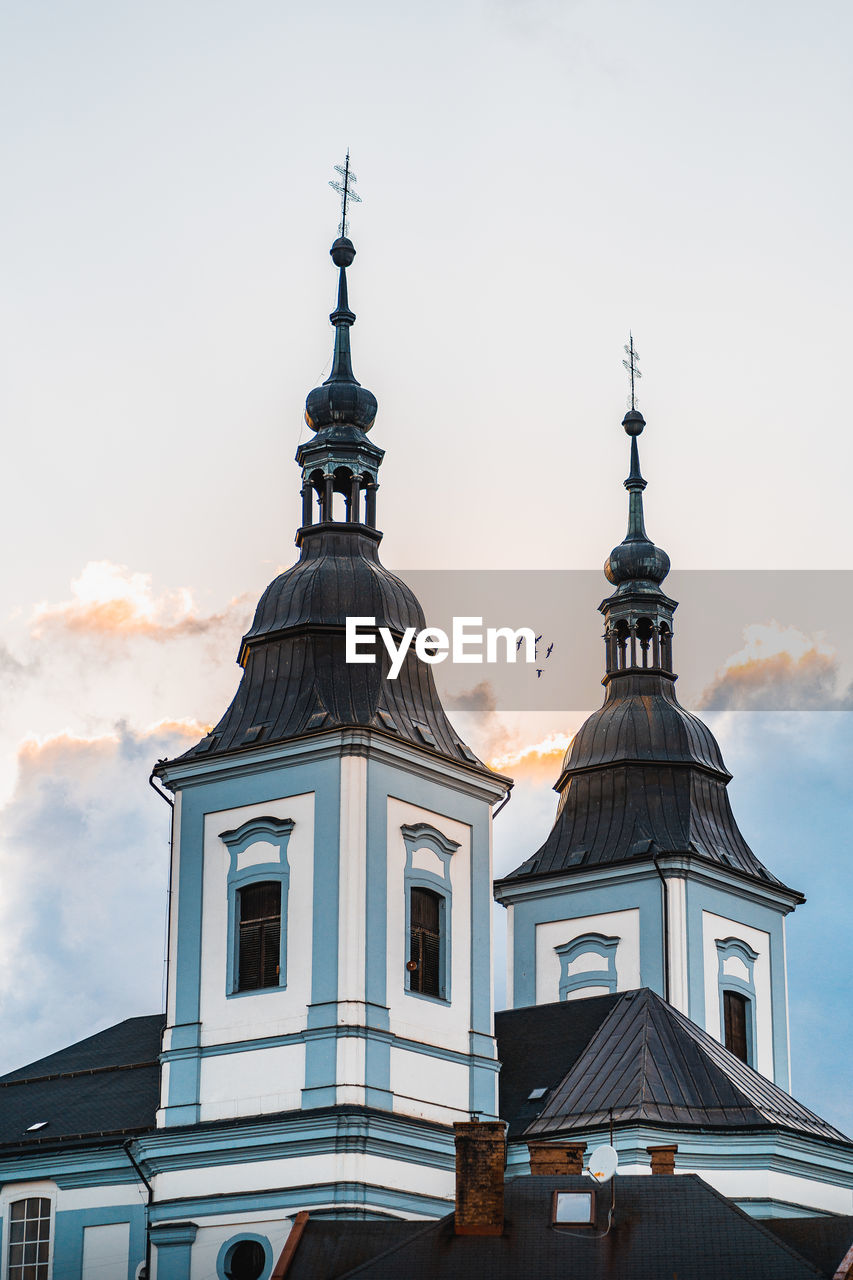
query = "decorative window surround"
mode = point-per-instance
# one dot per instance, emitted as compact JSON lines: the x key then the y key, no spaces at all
{"x":430,"y":872}
{"x":267,"y":863}
{"x":736,"y":949}
{"x":599,"y":945}
{"x":12,"y":1194}
{"x":226,"y":1253}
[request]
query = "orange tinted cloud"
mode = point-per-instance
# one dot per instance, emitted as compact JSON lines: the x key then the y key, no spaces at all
{"x":538,"y":761}
{"x":779,"y":668}
{"x":110,"y":600}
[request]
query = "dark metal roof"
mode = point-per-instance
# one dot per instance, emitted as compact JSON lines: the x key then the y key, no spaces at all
{"x":824,"y":1241}
{"x":537,"y":1045}
{"x":646,"y":1062}
{"x":642,"y":776}
{"x":107,"y":1084}
{"x":662,"y":1227}
{"x":296,"y":680}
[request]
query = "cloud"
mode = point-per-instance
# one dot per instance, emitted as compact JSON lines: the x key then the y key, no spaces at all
{"x":84,"y":851}
{"x":779,"y":668}
{"x":537,"y":759}
{"x":109,"y":600}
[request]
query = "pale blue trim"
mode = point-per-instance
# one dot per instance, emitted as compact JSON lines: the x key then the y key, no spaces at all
{"x":450,"y":799}
{"x":173,"y":1242}
{"x":423,"y":836}
{"x":272,"y":831}
{"x":642,"y":894}
{"x":68,"y":1235}
{"x":599,"y":945}
{"x":222,"y":1258}
{"x":296,"y":773}
{"x":770,"y":920}
{"x":727,"y":947}
{"x":344,"y":1199}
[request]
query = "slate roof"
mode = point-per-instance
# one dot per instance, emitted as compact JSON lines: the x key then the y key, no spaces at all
{"x":642,"y":776}
{"x":296,"y":679}
{"x":107,"y":1084}
{"x":662,"y":1227}
{"x":824,"y":1241}
{"x":645,"y":1061}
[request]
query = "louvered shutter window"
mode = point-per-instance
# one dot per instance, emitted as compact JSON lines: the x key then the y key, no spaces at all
{"x":425,"y":942}
{"x":735,"y":1011}
{"x":29,"y":1239}
{"x":259,"y":908}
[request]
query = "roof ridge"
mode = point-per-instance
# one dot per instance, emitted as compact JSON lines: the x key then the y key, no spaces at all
{"x":78,"y":1071}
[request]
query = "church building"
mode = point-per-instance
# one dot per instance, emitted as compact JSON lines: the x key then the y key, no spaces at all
{"x":329,"y":1011}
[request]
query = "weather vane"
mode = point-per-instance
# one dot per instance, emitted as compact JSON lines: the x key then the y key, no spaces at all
{"x":345,"y":190}
{"x":632,"y":365}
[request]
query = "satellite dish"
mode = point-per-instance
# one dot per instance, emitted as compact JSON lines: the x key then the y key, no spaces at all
{"x":603,"y":1163}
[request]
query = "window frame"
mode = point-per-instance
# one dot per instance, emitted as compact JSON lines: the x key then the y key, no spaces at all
{"x":275,"y":832}
{"x":736,"y":948}
{"x":417,"y":836}
{"x":224,"y":1256}
{"x":598,"y":944}
{"x":12,"y":1194}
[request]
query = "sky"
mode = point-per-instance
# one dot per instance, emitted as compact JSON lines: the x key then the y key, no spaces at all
{"x":537,"y":179}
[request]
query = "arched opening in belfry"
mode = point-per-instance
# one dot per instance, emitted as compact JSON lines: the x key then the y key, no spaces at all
{"x":645,"y":655}
{"x":622,"y":637}
{"x":665,"y":646}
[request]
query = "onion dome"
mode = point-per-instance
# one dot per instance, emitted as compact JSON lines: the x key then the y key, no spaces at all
{"x":642,"y":777}
{"x":341,"y":400}
{"x":636,"y":559}
{"x":296,"y":678}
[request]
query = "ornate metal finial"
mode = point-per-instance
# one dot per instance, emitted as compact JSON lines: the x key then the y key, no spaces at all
{"x":632,"y":364}
{"x":346,"y":191}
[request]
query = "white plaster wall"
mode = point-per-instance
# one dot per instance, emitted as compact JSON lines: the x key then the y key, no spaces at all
{"x":252,"y":1082}
{"x":212,"y":1235}
{"x":174,"y":879}
{"x":352,"y":895}
{"x":305,"y":1171}
{"x":716,"y":928}
{"x":106,"y":1251}
{"x":434,"y":1021}
{"x":430,"y":1088}
{"x":624,"y":925}
{"x":759,"y":1184}
{"x":269,"y":1012}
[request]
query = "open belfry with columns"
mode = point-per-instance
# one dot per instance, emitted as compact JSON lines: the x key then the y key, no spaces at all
{"x":329,"y":1038}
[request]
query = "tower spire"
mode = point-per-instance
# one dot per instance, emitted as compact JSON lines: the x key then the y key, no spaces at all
{"x":638,"y":616}
{"x":340,"y":459}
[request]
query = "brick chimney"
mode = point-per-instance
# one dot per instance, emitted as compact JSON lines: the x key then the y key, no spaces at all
{"x":555,"y":1161}
{"x":480,"y":1163}
{"x":663,"y":1158}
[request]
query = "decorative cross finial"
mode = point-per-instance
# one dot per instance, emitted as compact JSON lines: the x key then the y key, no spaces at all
{"x":632,"y":365}
{"x":346,"y":191}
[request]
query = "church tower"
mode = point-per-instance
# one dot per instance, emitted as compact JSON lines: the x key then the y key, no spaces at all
{"x":330,"y":956}
{"x":645,"y":879}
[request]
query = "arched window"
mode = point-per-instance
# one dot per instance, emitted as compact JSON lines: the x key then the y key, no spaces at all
{"x":736,"y":979}
{"x":244,"y":1257}
{"x":736,"y":1022}
{"x":258,"y":881}
{"x":429,"y":895}
{"x":425,"y":942}
{"x":29,"y":1239}
{"x":259,"y":910}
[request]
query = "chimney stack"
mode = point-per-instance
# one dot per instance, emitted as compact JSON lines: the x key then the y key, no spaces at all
{"x":480,"y":1163}
{"x":556,"y":1161}
{"x":663,"y":1158}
